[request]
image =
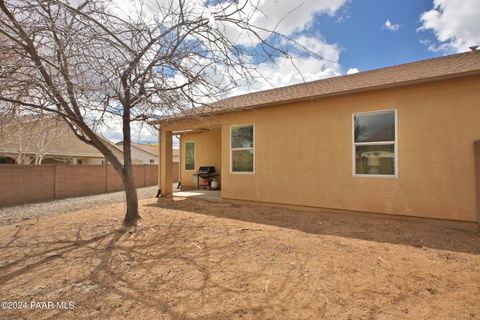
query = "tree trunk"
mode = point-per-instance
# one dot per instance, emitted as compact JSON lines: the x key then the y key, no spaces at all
{"x":126,"y":174}
{"x":132,"y":215}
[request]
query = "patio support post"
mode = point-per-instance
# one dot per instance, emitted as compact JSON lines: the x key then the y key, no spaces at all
{"x":166,"y":162}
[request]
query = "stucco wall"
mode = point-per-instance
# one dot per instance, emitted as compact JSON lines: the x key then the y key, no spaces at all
{"x":143,"y":157}
{"x":303,"y":152}
{"x":477,"y":175}
{"x":207,"y":153}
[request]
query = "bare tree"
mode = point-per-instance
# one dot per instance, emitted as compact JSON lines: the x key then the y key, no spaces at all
{"x":47,"y":131}
{"x":29,"y":138}
{"x":90,"y":61}
{"x":14,"y":134}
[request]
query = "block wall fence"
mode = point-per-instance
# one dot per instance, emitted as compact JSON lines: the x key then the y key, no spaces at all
{"x":35,"y":183}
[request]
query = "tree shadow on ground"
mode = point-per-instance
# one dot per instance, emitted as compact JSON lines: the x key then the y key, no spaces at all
{"x":410,"y":231}
{"x":167,"y":271}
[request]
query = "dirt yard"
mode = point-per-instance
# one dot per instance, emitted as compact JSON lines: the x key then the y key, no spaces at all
{"x":193,"y":259}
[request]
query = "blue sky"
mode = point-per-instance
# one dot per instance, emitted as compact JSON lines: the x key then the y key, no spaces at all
{"x":365,"y":42}
{"x":361,"y":35}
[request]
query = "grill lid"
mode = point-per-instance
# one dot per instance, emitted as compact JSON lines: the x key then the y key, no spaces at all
{"x":206,"y":169}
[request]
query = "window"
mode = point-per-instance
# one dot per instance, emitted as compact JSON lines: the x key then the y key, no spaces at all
{"x":375,"y":143}
{"x":152,"y":161}
{"x":190,"y":155}
{"x":242,"y":149}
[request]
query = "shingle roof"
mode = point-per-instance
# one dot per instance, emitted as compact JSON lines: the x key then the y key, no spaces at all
{"x":147,"y":148}
{"x":153,"y":149}
{"x":457,"y":65}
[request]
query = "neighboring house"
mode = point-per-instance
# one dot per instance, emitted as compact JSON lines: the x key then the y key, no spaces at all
{"x":397,"y":140}
{"x":47,"y":141}
{"x":146,"y":154}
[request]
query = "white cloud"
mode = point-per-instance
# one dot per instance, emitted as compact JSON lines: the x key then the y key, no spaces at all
{"x":282,"y":72}
{"x":353,"y":70}
{"x":455,"y":24}
{"x":433,"y":46}
{"x":318,"y":46}
{"x":291,"y":16}
{"x":321,"y":64}
{"x":391,"y":26}
{"x":141,"y":132}
{"x":284,"y":16}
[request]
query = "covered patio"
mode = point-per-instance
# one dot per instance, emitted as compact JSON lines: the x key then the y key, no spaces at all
{"x":200,"y":143}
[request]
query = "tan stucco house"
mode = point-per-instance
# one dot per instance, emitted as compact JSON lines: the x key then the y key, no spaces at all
{"x":398,"y":140}
{"x":142,"y":153}
{"x":147,"y":154}
{"x":47,"y":141}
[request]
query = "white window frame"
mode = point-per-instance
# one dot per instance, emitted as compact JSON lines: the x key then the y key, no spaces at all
{"x":185,"y":155}
{"x":232,"y":149}
{"x":394,"y":142}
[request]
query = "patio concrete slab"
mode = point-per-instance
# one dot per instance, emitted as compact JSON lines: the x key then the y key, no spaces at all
{"x":197,"y":194}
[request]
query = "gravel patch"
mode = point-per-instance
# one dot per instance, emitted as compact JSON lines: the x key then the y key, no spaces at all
{"x":14,"y":214}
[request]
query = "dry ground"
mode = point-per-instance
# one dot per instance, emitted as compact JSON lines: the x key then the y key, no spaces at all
{"x":193,"y":259}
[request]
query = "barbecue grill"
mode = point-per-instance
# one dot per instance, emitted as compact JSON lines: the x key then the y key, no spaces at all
{"x":207,"y":173}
